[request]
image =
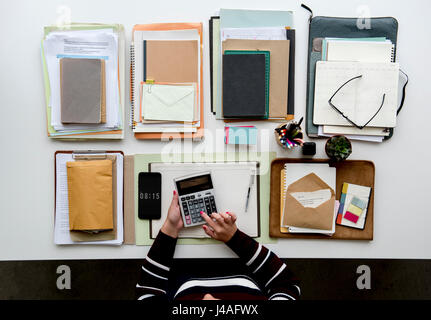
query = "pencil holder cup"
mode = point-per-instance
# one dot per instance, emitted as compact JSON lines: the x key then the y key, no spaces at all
{"x":289,"y":135}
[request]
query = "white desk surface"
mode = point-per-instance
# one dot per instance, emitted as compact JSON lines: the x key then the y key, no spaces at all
{"x":402,"y":186}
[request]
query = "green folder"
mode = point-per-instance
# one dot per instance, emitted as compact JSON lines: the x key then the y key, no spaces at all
{"x":141,"y":164}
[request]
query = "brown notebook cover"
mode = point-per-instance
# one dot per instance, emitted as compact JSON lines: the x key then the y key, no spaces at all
{"x":359,"y":172}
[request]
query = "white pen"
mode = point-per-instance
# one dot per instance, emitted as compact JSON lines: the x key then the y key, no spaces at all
{"x":249,"y":189}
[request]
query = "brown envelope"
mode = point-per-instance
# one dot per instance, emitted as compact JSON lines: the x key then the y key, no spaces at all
{"x":109,"y":234}
{"x":90,"y":195}
{"x":279,"y":69}
{"x":296,"y":215}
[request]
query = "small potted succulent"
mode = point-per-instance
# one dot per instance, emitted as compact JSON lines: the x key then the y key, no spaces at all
{"x":338,"y":148}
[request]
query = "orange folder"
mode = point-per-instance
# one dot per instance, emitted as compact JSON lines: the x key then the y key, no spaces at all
{"x":166,"y":27}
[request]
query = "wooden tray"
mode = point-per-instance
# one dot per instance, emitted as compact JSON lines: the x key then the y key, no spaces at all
{"x":359,"y":172}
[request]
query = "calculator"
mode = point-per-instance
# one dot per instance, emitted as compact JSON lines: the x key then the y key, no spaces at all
{"x":196,"y":194}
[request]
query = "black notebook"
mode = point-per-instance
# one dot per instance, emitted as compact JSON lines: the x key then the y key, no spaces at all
{"x":245,"y":87}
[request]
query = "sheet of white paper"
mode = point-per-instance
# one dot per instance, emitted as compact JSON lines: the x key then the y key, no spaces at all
{"x":61,"y":227}
{"x":83,"y":44}
{"x":312,"y":199}
{"x":351,"y":137}
{"x":273,"y":33}
{"x":238,"y":175}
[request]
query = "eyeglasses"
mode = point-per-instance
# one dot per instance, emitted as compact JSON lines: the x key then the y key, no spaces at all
{"x":346,"y":117}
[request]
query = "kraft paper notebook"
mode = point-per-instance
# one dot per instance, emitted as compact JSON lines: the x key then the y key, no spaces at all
{"x":279,"y":70}
{"x":352,"y":171}
{"x":246,"y":84}
{"x":169,"y":54}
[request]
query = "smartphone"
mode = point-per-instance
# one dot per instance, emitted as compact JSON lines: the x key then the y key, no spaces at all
{"x":150,"y":195}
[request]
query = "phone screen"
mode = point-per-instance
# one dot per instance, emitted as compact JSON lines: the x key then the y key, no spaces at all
{"x":150,"y":195}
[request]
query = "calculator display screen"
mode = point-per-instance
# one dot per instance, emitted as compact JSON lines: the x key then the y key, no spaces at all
{"x":194,"y":184}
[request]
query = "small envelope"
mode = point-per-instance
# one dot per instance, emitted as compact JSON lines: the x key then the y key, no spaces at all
{"x":172,"y":102}
{"x":297,"y":215}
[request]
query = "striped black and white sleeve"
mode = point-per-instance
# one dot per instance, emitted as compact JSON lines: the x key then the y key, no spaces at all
{"x":153,"y":277}
{"x":271,"y":274}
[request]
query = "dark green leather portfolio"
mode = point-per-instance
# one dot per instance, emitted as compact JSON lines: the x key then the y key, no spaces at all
{"x":322,"y":27}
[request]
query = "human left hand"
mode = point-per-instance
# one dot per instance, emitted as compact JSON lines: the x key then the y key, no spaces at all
{"x":174,"y":222}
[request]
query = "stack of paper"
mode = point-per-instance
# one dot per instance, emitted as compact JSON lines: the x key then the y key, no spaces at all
{"x":166,"y":87}
{"x":84,"y":81}
{"x":359,"y":100}
{"x":252,"y":64}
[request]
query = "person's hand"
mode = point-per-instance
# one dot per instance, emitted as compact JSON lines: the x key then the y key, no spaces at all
{"x":221,"y":226}
{"x":173,"y":222}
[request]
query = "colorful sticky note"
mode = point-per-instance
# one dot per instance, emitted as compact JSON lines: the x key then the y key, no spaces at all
{"x":359,"y":203}
{"x":351,"y":217}
{"x":240,"y":135}
{"x":355,"y":210}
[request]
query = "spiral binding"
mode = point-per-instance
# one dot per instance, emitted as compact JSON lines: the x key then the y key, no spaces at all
{"x":393,"y":53}
{"x":132,"y":86}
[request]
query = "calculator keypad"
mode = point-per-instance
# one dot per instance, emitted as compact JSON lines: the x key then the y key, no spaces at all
{"x":192,"y":207}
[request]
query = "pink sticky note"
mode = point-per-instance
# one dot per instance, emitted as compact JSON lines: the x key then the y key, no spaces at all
{"x":351,"y":217}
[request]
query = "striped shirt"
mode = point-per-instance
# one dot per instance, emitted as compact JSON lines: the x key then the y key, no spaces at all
{"x":269,"y":279}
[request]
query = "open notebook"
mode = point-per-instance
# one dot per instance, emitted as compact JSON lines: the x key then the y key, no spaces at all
{"x":229,"y":178}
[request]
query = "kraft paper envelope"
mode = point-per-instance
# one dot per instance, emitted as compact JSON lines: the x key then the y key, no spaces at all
{"x":90,"y":195}
{"x":109,"y":234}
{"x":168,"y":102}
{"x":174,"y":61}
{"x":296,"y":215}
{"x":279,"y":69}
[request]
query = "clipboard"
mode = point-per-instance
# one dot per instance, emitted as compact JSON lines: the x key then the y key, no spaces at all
{"x":359,"y":172}
{"x":128,"y":187}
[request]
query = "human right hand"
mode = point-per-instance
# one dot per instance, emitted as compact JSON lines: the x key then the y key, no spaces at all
{"x":221,"y":226}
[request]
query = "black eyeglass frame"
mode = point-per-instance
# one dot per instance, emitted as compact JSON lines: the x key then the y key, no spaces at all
{"x":347,"y":118}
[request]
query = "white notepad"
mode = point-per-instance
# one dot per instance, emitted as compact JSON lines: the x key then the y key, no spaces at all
{"x":231,"y":181}
{"x":360,"y":99}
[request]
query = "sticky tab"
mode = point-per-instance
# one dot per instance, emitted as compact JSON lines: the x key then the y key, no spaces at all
{"x":355,"y":210}
{"x":359,"y":203}
{"x":351,"y":217}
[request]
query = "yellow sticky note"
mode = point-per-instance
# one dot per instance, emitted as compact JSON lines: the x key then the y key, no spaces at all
{"x":355,"y":210}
